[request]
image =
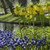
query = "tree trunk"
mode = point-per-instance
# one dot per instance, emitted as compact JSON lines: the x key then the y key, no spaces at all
{"x":10,"y":6}
{"x":4,"y":6}
{"x":35,"y":1}
{"x":23,"y":2}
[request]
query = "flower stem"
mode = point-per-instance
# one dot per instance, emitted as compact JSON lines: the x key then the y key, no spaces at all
{"x":24,"y":22}
{"x":49,"y":17}
{"x":33,"y":22}
{"x":49,"y":20}
{"x":41,"y":20}
{"x":20,"y":27}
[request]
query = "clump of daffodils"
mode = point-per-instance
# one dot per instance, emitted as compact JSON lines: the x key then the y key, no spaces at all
{"x":22,"y":12}
{"x":39,"y":8}
{"x":30,"y":9}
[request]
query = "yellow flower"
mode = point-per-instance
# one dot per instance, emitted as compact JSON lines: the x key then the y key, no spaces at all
{"x":28,"y":16}
{"x":38,"y":8}
{"x":34,"y":12}
{"x":27,"y":9}
{"x":47,"y":7}
{"x":22,"y":13}
{"x":15,"y":11}
{"x":30,"y":10}
{"x":41,"y":12}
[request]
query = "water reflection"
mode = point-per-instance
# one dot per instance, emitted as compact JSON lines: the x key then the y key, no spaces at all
{"x":7,"y":26}
{"x":1,"y":26}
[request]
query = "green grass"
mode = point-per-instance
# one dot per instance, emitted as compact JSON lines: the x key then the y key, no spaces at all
{"x":12,"y":18}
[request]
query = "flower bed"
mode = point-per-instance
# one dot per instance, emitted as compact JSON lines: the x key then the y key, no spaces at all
{"x":31,"y":11}
{"x":7,"y":41}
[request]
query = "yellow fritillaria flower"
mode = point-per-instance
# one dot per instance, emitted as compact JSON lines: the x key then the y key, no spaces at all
{"x":22,"y":13}
{"x":47,"y":8}
{"x":39,"y":8}
{"x":28,"y":16}
{"x":30,"y":10}
{"x":41,"y":12}
{"x":34,"y":12}
{"x":15,"y":11}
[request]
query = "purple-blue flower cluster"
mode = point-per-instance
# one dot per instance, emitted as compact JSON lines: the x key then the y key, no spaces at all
{"x":7,"y":40}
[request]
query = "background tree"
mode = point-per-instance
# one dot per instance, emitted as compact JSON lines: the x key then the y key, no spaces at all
{"x":4,"y":6}
{"x":10,"y":5}
{"x":35,"y":1}
{"x":23,"y":2}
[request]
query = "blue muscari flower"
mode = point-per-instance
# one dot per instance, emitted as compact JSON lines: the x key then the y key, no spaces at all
{"x":1,"y":31}
{"x":0,"y":45}
{"x":0,"y":41}
{"x":15,"y":40}
{"x":19,"y":40}
{"x":45,"y":38}
{"x":28,"y":44}
{"x":5,"y":46}
{"x":33,"y":42}
{"x":8,"y":41}
{"x":26,"y":41}
{"x":24,"y":48}
{"x":32,"y":38}
{"x":9,"y":45}
{"x":38,"y":43}
{"x":23,"y":45}
{"x":16,"y":44}
{"x":37,"y":35}
{"x":5,"y":43}
{"x":1,"y":37}
{"x":43,"y":44}
{"x":41,"y":40}
{"x":13,"y":47}
{"x":25,"y":37}
{"x":23,"y":40}
{"x":38,"y":40}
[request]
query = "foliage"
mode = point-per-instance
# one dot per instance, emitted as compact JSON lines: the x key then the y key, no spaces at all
{"x":7,"y":40}
{"x":29,"y":31}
